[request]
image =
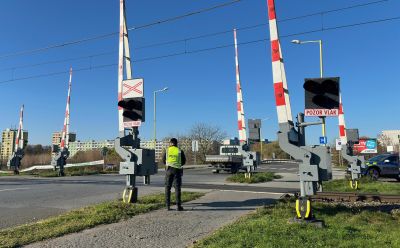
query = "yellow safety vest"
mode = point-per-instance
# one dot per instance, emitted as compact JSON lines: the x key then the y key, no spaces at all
{"x":174,"y":157}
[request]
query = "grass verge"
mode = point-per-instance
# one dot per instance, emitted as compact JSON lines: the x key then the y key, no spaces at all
{"x":366,"y":185}
{"x":5,"y":174}
{"x":345,"y":227}
{"x":72,"y":171}
{"x":257,"y":177}
{"x":84,"y":218}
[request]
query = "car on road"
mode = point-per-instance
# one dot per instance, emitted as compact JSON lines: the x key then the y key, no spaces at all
{"x":384,"y":165}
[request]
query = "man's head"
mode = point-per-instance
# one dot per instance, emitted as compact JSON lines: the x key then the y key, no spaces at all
{"x":173,"y":142}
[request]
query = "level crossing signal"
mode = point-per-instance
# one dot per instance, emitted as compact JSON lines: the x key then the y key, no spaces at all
{"x":133,"y":109}
{"x":322,"y":96}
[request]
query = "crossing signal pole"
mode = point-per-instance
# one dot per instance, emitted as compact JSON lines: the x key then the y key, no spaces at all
{"x":14,"y":163}
{"x":131,"y":114}
{"x":59,"y":160}
{"x":314,"y":161}
{"x":347,"y":148}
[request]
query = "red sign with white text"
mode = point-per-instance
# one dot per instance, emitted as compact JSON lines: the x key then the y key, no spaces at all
{"x":321,"y":112}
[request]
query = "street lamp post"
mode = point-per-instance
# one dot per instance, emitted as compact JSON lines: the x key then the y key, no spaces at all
{"x":321,"y":72}
{"x":154,"y":117}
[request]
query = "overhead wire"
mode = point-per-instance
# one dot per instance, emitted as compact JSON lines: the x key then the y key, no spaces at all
{"x":185,"y":15}
{"x":188,"y":38}
{"x":322,"y":29}
{"x":57,"y":61}
{"x":103,"y":36}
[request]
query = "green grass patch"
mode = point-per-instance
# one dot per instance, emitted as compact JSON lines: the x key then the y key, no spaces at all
{"x":5,"y":174}
{"x":84,"y":218}
{"x":72,"y":171}
{"x":257,"y":177}
{"x":345,"y":227}
{"x":365,"y":185}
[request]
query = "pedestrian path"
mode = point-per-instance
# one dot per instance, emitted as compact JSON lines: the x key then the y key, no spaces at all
{"x":163,"y":228}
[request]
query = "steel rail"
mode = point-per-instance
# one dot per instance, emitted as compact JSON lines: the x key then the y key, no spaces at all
{"x":355,"y":197}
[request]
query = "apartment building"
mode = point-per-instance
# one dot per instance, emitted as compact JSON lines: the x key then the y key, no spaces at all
{"x":8,"y":142}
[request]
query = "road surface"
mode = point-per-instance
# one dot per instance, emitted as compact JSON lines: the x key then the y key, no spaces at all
{"x":25,"y":199}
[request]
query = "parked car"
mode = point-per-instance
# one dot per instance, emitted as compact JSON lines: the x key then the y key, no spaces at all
{"x":384,"y":165}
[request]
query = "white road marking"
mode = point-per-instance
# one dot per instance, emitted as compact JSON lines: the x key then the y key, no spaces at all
{"x":1,"y":190}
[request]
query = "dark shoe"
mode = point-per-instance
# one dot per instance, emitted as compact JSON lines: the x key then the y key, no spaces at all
{"x":180,"y":208}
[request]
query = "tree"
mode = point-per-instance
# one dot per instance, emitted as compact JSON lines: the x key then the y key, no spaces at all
{"x":383,"y":142}
{"x":36,"y":155}
{"x":209,"y":138}
{"x":112,"y":157}
{"x":85,"y":156}
{"x":37,"y":149}
{"x":271,"y":150}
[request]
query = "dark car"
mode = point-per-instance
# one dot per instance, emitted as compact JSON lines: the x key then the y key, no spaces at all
{"x":384,"y":165}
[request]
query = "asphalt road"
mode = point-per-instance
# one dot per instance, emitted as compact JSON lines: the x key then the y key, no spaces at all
{"x":24,"y":199}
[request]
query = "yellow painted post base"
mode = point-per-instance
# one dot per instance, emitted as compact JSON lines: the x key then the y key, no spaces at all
{"x":303,"y":208}
{"x":130,"y":195}
{"x":354,"y":184}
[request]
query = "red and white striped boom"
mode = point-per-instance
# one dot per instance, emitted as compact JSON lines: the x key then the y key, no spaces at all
{"x":240,"y":109}
{"x":342,"y":123}
{"x":282,"y":99}
{"x":19,"y":140}
{"x":124,"y":56}
{"x":65,"y":131}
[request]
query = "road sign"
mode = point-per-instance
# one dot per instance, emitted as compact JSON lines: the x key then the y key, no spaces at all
{"x":195,"y":145}
{"x":132,"y":88}
{"x":323,"y":140}
{"x":338,"y":144}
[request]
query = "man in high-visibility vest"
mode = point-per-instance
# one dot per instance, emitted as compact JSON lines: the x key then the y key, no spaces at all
{"x":174,"y":159}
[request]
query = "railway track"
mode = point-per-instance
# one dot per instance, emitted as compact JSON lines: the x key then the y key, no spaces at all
{"x":354,"y":197}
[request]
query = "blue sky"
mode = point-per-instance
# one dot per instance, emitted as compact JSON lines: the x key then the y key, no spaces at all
{"x":202,"y":85}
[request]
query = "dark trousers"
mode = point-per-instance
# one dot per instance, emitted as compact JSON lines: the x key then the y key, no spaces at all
{"x":173,"y":176}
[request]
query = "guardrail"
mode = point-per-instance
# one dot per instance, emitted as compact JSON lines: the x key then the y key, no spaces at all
{"x":49,"y":167}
